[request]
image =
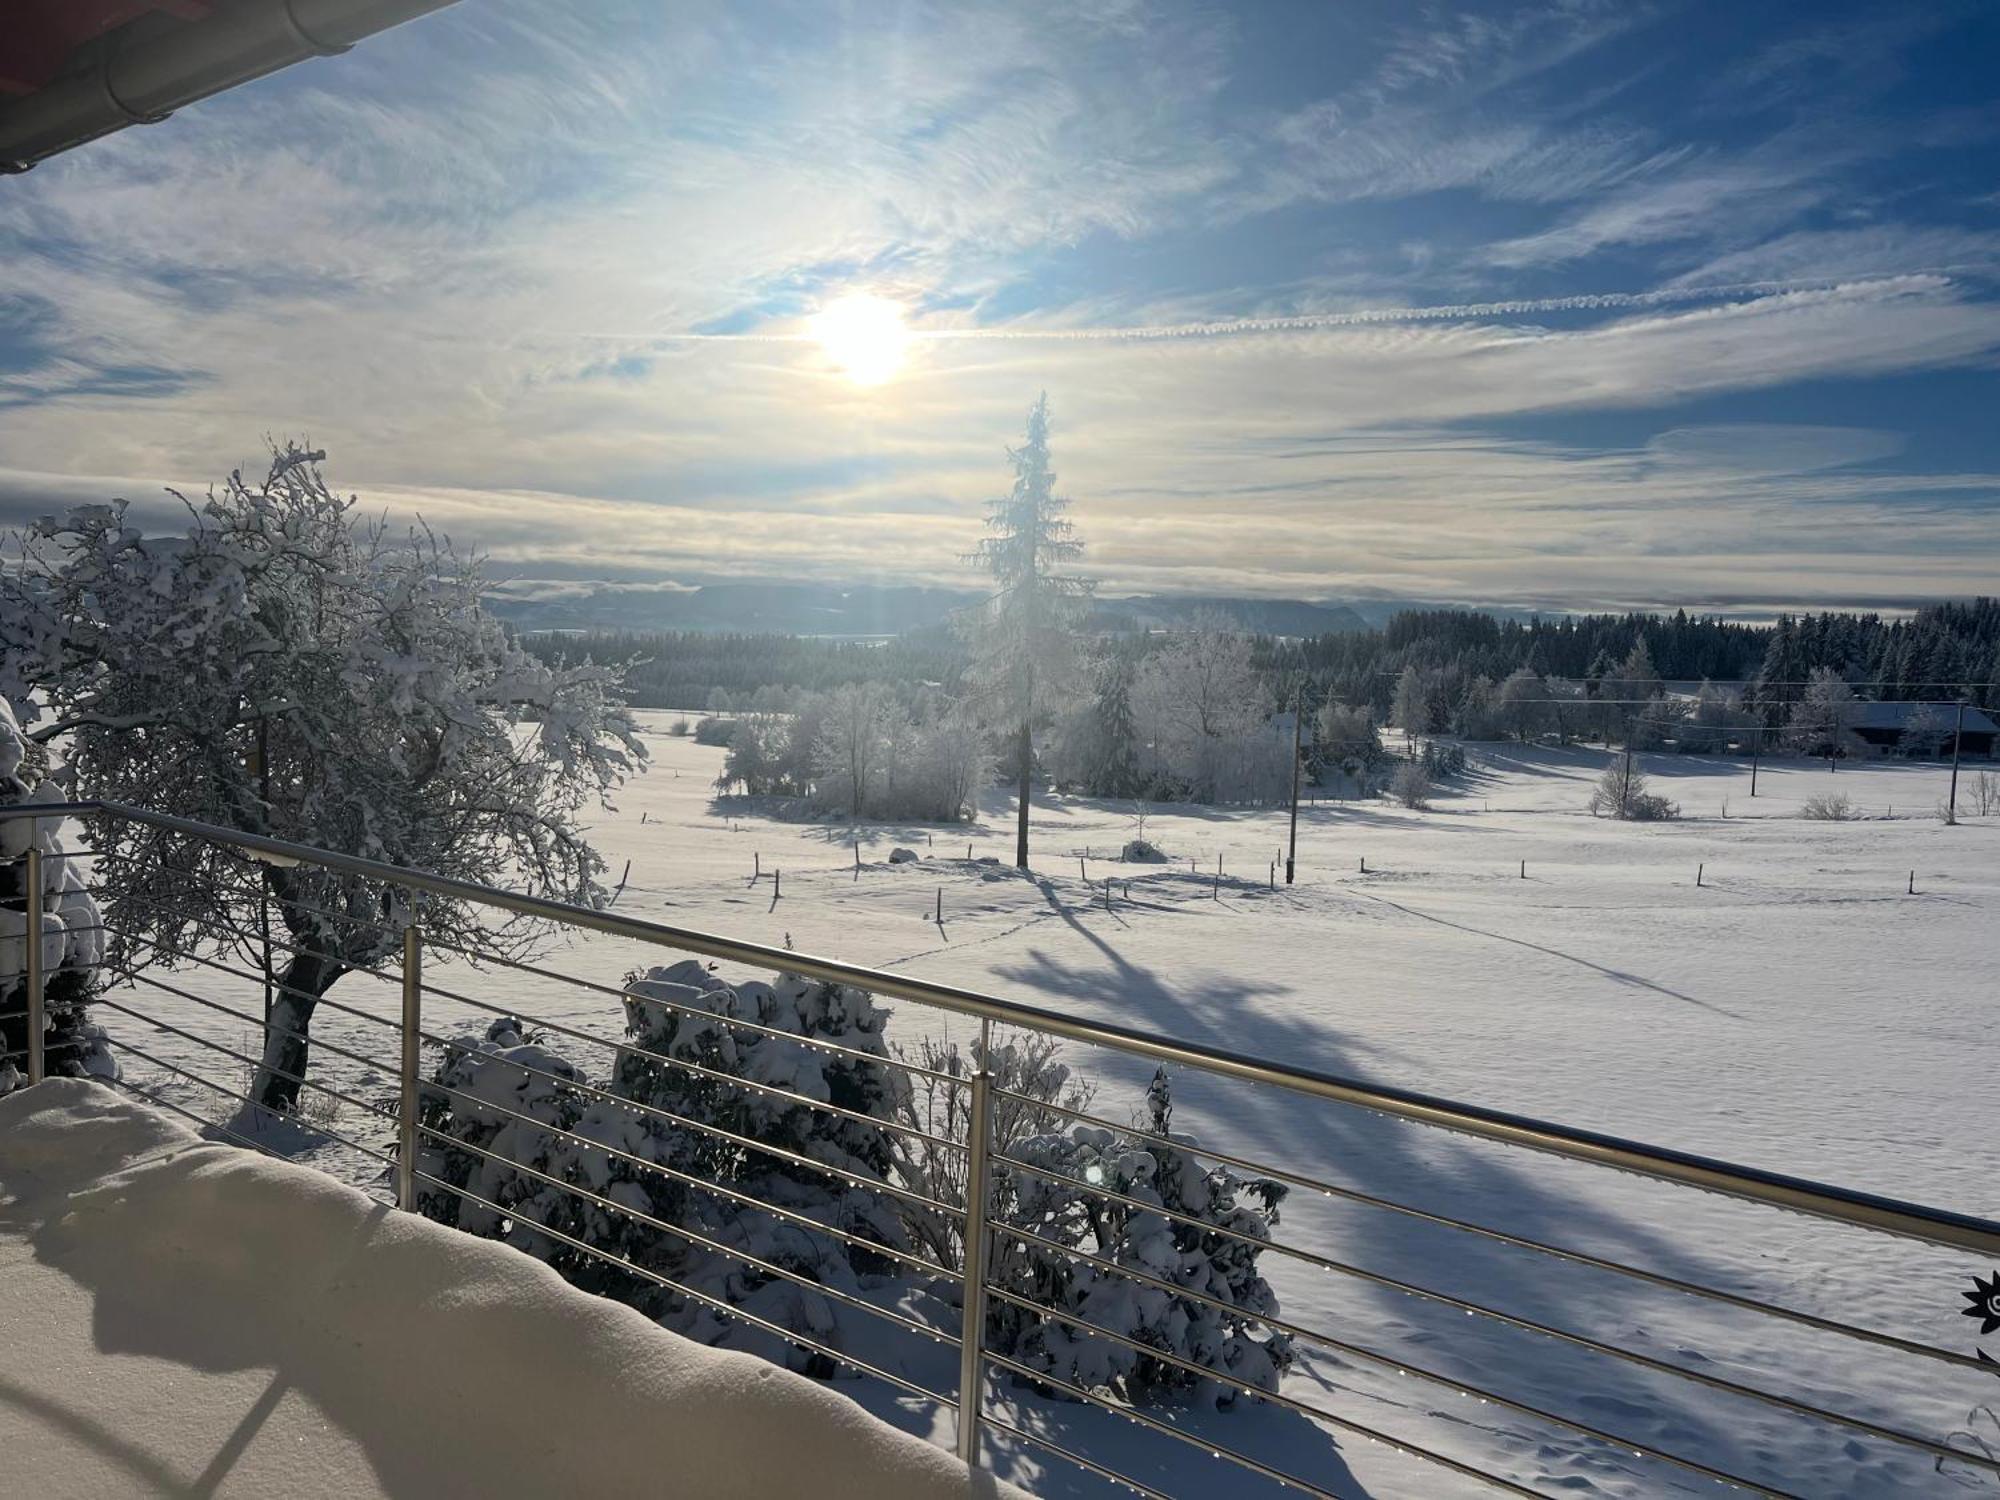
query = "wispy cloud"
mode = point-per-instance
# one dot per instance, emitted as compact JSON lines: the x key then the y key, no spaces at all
{"x":545,"y":282}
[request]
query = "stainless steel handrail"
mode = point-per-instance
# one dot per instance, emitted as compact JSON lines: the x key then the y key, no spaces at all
{"x":1869,"y":1210}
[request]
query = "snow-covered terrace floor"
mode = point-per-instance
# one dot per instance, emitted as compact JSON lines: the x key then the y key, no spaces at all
{"x":186,"y":1319}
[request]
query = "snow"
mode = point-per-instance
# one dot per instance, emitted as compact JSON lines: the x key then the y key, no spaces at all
{"x":184,"y":1318}
{"x":1797,"y":1010}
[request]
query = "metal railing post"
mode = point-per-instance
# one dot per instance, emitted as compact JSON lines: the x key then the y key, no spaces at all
{"x":406,"y":1121}
{"x":37,"y":1021}
{"x":978,"y":1176}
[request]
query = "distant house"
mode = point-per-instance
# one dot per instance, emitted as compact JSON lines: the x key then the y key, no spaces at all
{"x":1886,"y":727}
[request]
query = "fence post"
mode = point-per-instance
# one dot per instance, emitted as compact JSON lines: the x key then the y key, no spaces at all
{"x":406,"y":1120}
{"x":37,"y":1065}
{"x":972,"y":1332}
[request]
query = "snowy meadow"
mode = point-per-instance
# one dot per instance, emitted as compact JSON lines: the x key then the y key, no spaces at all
{"x":1743,"y":982}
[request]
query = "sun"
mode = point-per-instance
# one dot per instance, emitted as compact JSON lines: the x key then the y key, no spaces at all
{"x":864,"y":335}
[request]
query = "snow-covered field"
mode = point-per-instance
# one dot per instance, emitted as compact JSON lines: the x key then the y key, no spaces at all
{"x":1797,"y":1010}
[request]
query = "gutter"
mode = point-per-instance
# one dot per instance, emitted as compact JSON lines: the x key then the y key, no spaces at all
{"x":141,"y":73}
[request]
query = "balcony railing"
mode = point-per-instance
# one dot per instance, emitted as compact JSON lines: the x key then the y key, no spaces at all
{"x":983,"y":1422}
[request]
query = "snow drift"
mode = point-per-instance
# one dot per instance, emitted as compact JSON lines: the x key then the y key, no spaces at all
{"x":403,"y":1358}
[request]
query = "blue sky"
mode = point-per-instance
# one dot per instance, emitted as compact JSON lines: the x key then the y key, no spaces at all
{"x":1557,"y":304}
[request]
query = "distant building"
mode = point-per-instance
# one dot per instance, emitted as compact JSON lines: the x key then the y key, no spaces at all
{"x":1886,"y":726}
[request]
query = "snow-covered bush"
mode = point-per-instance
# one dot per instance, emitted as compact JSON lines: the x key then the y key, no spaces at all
{"x":1027,"y":1073}
{"x":473,"y":1100}
{"x":286,"y":670}
{"x":72,"y":930}
{"x":1829,"y":807}
{"x":1065,"y":1206}
{"x":716,"y":729}
{"x":681,"y":1057}
{"x":1621,"y":793}
{"x":1410,"y":784}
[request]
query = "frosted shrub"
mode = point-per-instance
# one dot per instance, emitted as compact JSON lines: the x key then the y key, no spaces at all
{"x":1621,"y":793}
{"x":1410,"y":784}
{"x":1063,"y":1206}
{"x":72,"y":930}
{"x":1026,"y":1073}
{"x":1984,"y":788}
{"x":680,"y":1056}
{"x":1829,"y":807}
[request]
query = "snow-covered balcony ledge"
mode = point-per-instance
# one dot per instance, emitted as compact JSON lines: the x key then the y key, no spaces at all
{"x":187,"y":1318}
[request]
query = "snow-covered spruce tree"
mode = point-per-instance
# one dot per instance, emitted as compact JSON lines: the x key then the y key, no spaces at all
{"x":284,"y":669}
{"x":1157,"y":1167}
{"x":1024,"y":637}
{"x":72,"y":930}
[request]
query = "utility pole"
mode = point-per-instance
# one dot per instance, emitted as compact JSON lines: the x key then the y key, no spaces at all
{"x":1957,"y":739}
{"x":1756,"y":745}
{"x":1292,"y":848}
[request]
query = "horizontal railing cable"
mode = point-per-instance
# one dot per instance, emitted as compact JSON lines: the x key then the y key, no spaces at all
{"x":1154,"y":1424}
{"x":915,"y":1262}
{"x":1274,"y":1397}
{"x":257,"y":938}
{"x":371,"y":1110}
{"x":872,"y":1184}
{"x":796,"y":1278}
{"x":135,"y":976}
{"x":1477,"y":1309}
{"x":1089,"y":1465}
{"x":1401,"y":1366}
{"x":735,"y":1022}
{"x":1502,"y":1236}
{"x":160,"y":1062}
{"x":716,"y":1304}
{"x":158,"y":1101}
{"x":169,"y":959}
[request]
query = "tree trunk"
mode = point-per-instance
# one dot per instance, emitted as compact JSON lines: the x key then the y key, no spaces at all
{"x":306,"y":977}
{"x":1026,"y":785}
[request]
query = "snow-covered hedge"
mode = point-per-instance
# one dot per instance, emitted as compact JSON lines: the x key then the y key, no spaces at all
{"x":72,"y":930}
{"x":679,"y":1014}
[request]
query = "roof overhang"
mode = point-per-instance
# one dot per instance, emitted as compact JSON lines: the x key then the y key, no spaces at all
{"x":74,"y":70}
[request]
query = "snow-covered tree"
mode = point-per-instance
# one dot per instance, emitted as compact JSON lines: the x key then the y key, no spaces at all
{"x":853,"y":745}
{"x":1621,"y":793}
{"x":1156,"y":1167}
{"x":1925,"y":731}
{"x":1204,"y":713}
{"x":1410,"y":709}
{"x":1095,"y":747}
{"x":72,"y":930}
{"x":1522,"y":712}
{"x":1024,"y":638}
{"x":284,"y":669}
{"x":1822,"y":720}
{"x":1716,"y":717}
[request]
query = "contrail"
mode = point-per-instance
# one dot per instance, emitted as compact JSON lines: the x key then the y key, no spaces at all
{"x":1360,"y":317}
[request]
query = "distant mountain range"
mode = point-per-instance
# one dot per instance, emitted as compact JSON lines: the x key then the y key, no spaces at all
{"x":865,"y":611}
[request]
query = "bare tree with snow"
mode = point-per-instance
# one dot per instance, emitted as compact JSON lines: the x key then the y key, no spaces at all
{"x":286,"y":670}
{"x":1024,"y":638}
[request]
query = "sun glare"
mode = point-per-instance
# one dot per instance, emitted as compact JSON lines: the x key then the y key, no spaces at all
{"x":864,"y":335}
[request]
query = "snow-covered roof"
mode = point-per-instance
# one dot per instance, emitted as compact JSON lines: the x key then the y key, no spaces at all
{"x":174,"y":1285}
{"x":1894,"y":715}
